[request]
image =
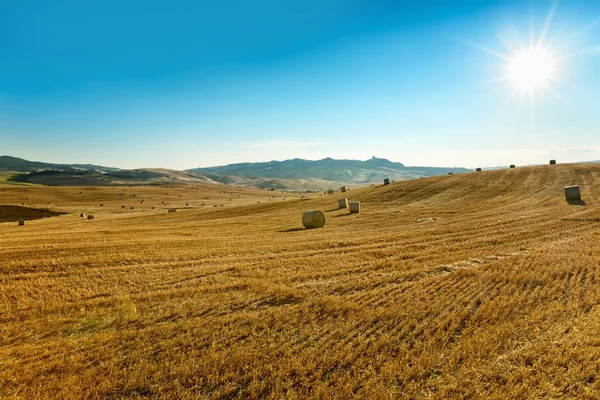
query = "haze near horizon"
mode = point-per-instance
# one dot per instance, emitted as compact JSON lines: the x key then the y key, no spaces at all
{"x":194,"y":84}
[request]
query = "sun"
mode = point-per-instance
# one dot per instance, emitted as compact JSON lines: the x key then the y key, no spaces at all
{"x":531,"y":69}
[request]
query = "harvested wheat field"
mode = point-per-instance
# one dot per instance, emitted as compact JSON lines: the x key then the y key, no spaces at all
{"x":478,"y":285}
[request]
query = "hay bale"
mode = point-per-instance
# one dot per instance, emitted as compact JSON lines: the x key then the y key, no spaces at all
{"x":552,"y":162}
{"x":172,"y":210}
{"x":512,"y":166}
{"x":344,"y":189}
{"x":101,"y":204}
{"x":386,"y":181}
{"x":21,"y":222}
{"x":90,"y":216}
{"x":343,"y":203}
{"x":330,"y":191}
{"x":572,"y":193}
{"x":478,"y":169}
{"x":450,"y":173}
{"x":354,"y":207}
{"x":313,"y":219}
{"x":82,"y":215}
{"x":152,"y":208}
{"x":122,"y":206}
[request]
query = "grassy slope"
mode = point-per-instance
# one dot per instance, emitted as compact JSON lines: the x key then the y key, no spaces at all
{"x":5,"y":177}
{"x":472,"y":285}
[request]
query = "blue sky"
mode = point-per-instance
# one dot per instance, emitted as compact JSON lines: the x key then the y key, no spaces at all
{"x":182,"y":84}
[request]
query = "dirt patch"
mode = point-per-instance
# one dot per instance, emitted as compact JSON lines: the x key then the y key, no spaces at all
{"x":16,"y":213}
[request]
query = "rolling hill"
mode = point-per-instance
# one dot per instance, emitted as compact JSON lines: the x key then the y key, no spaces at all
{"x":8,"y":163}
{"x":474,"y":285}
{"x":292,"y":175}
{"x":373,"y":170}
{"x":143,"y":176}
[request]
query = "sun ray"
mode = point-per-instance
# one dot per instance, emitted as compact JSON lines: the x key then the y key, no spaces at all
{"x":488,"y":50}
{"x":493,"y":81}
{"x":547,"y":25}
{"x":531,"y":112}
{"x":587,"y":50}
{"x":509,"y":99}
{"x":551,"y":90}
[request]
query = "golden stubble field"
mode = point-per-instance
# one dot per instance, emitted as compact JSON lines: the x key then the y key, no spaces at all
{"x":479,"y":285}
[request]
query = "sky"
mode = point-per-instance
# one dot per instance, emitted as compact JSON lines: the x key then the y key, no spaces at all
{"x":182,"y":84}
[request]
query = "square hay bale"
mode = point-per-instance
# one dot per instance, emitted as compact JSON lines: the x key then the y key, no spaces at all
{"x":512,"y":166}
{"x":354,"y":207}
{"x":343,"y":203}
{"x":572,"y":193}
{"x":344,"y":189}
{"x":478,"y":169}
{"x":552,"y":162}
{"x":172,"y":210}
{"x":21,"y":222}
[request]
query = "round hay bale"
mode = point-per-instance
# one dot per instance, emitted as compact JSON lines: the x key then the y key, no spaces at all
{"x":512,"y":166}
{"x":386,"y":181}
{"x":152,"y":208}
{"x":122,"y":206}
{"x":172,"y":210}
{"x":21,"y":222}
{"x":450,"y":173}
{"x":344,"y":189}
{"x":354,"y":207}
{"x":313,"y":219}
{"x":572,"y":193}
{"x":478,"y":169}
{"x":82,"y":215}
{"x":343,"y":203}
{"x":102,"y":205}
{"x":552,"y":162}
{"x":90,"y":216}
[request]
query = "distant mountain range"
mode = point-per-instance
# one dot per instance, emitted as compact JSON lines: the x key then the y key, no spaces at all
{"x":328,"y":169}
{"x":8,"y":163}
{"x":296,"y":174}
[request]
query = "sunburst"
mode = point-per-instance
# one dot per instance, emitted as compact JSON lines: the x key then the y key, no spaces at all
{"x":532,"y":69}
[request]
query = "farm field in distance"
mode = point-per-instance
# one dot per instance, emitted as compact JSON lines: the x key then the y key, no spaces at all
{"x":475,"y":285}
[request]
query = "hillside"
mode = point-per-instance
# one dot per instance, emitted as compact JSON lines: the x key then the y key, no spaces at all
{"x":478,"y":285}
{"x":291,"y":175}
{"x":8,"y":163}
{"x":148,"y":176}
{"x":373,"y":170}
